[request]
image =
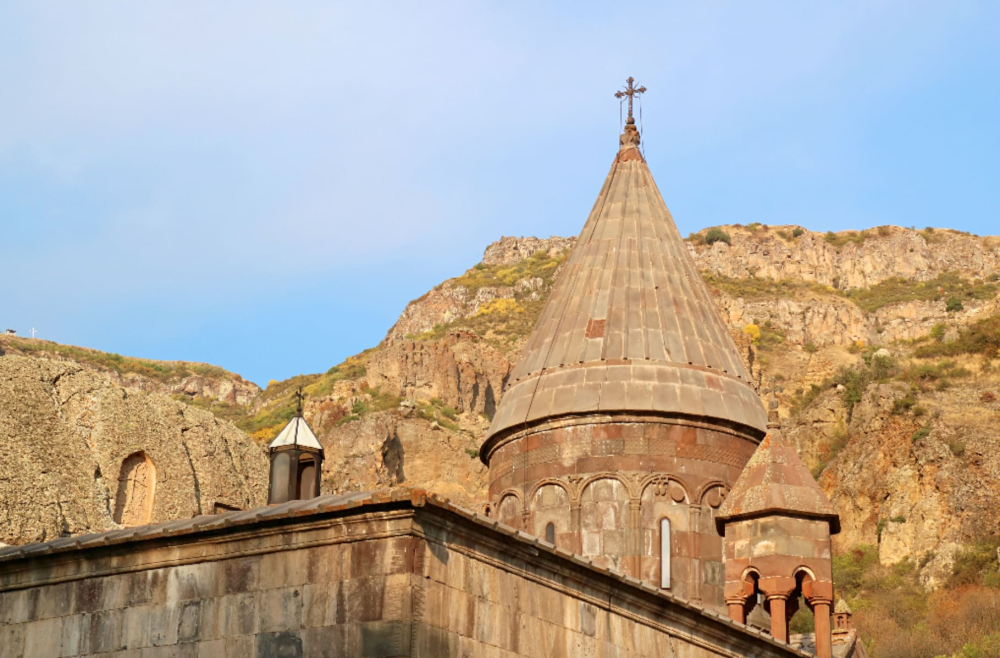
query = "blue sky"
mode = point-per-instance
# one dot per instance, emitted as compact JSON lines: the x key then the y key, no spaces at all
{"x":264,"y":186}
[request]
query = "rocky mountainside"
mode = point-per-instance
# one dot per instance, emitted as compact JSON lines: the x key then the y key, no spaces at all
{"x":810,"y":309}
{"x":902,"y":439}
{"x":884,"y":346}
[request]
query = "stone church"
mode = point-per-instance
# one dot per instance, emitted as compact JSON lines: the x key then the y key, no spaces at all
{"x":642,"y":503}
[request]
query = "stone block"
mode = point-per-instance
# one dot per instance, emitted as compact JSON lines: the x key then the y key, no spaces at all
{"x":237,"y":614}
{"x":279,"y":609}
{"x":191,"y":581}
{"x":163,"y":622}
{"x":384,"y":639}
{"x":326,"y":642}
{"x":284,"y":569}
{"x":240,"y":575}
{"x":242,"y":646}
{"x":287,"y":644}
{"x":75,"y":635}
{"x":106,"y":631}
{"x":135,"y":627}
{"x":189,"y":624}
{"x":364,"y":599}
{"x":54,"y":601}
{"x":212,"y":649}
{"x":42,"y":638}
{"x":12,"y":641}
{"x":89,"y":595}
{"x":319,"y":605}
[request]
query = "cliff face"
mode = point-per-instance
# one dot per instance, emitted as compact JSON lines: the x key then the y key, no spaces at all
{"x":79,"y":453}
{"x":825,"y":303}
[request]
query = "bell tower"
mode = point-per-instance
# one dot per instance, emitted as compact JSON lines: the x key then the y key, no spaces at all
{"x":630,"y":415}
{"x":777,"y":524}
{"x":296,"y":461}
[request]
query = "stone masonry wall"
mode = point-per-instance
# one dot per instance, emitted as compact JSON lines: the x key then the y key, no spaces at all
{"x":389,"y":583}
{"x":607,"y":486}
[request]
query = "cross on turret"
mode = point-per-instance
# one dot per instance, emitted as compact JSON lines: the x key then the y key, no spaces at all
{"x":299,"y":399}
{"x":630,"y":91}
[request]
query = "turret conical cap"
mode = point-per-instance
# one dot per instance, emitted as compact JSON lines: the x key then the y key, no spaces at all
{"x":775,"y":481}
{"x":629,"y":325}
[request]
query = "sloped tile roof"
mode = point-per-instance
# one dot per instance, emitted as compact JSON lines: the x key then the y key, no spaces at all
{"x":629,"y":324}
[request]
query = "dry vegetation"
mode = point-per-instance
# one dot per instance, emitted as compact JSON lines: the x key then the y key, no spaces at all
{"x":160,"y":371}
{"x":898,"y":618}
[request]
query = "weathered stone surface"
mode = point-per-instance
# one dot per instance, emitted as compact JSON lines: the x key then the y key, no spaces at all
{"x":66,"y":434}
{"x":462,"y":371}
{"x":386,"y":578}
{"x":385,"y":449}
{"x":225,"y":387}
{"x":886,"y":252}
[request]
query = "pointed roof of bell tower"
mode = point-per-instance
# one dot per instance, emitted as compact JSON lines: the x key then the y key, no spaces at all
{"x":629,"y":325}
{"x":297,"y":432}
{"x":776,"y":482}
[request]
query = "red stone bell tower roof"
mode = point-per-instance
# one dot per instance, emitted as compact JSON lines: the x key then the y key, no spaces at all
{"x":775,"y":481}
{"x":629,"y":325}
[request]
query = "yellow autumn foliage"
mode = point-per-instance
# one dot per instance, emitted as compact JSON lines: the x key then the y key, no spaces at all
{"x":753,"y":331}
{"x":500,"y":307}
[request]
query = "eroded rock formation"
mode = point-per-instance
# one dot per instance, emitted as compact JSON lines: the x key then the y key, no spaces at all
{"x":73,"y":446}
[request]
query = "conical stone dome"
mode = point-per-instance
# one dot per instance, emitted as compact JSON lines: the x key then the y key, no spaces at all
{"x":629,"y":324}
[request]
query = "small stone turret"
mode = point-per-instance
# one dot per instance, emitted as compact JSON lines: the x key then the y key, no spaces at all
{"x":842,"y":625}
{"x":296,"y":461}
{"x":777,"y":525}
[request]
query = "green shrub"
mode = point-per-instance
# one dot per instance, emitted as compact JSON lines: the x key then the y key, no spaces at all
{"x":797,"y":231}
{"x":953,"y":305}
{"x":921,"y":433}
{"x":938,"y":331}
{"x":982,"y":337}
{"x":840,"y":239}
{"x":754,"y":287}
{"x":896,"y":290}
{"x":903,"y":405}
{"x":974,"y":561}
{"x":716,"y":234}
{"x":811,"y":347}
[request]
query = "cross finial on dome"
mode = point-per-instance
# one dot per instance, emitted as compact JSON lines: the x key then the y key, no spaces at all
{"x":631,"y":92}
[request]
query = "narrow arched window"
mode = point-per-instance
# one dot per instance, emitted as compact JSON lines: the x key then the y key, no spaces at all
{"x":665,"y":553}
{"x":550,"y":533}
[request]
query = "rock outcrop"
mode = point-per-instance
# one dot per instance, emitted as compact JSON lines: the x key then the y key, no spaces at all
{"x":78,"y":452}
{"x":867,"y":258}
{"x":459,"y":369}
{"x":172,"y":377}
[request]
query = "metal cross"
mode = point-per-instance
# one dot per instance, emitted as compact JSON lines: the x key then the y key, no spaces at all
{"x":299,"y":398}
{"x":631,"y":92}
